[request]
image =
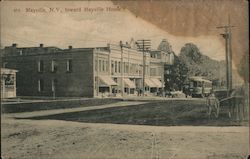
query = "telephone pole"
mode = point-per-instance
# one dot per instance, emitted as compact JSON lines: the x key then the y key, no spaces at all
{"x":227,"y":35}
{"x":122,"y":69}
{"x":144,"y":46}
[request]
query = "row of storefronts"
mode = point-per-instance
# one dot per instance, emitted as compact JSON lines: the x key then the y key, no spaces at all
{"x":123,"y":74}
{"x":87,"y":72}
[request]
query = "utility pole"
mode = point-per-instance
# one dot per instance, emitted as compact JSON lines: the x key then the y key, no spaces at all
{"x":122,"y":69}
{"x":97,"y":71}
{"x":144,"y":46}
{"x":227,"y":35}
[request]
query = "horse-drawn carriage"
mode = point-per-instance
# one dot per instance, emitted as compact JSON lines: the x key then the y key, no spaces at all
{"x":234,"y":102}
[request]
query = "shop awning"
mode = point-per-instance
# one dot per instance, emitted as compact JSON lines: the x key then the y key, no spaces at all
{"x":157,"y":82}
{"x":106,"y":81}
{"x":129,"y":83}
{"x":149,"y":83}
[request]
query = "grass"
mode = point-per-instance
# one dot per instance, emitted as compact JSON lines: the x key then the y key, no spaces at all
{"x":159,"y":113}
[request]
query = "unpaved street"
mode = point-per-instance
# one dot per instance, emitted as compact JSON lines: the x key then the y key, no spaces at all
{"x":48,"y":138}
{"x":66,"y":140}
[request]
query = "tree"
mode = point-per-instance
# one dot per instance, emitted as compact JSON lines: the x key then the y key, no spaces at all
{"x":243,"y":67}
{"x":178,"y":77}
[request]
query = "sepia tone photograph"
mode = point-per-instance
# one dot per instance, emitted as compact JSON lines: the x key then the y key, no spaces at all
{"x":137,"y":79}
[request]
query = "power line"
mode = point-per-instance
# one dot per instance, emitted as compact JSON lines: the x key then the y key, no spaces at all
{"x":144,"y":46}
{"x":227,"y":35}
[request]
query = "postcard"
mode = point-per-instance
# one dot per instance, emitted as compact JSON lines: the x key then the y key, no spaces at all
{"x":133,"y":79}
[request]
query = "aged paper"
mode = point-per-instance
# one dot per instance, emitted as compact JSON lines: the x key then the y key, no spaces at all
{"x":125,"y":79}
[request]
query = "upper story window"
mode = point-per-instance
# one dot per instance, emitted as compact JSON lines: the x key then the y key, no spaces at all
{"x":96,"y":65}
{"x":119,"y":67}
{"x":100,"y":65}
{"x":153,"y":71}
{"x":103,"y":66}
{"x":126,"y":67}
{"x":107,"y":66}
{"x":53,"y":66}
{"x":115,"y":66}
{"x":40,"y":66}
{"x":69,"y":66}
{"x":112,"y":67}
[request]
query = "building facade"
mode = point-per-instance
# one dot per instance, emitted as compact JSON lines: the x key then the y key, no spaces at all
{"x":86,"y":72}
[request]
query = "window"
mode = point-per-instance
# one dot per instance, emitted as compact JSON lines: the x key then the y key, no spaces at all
{"x":112,"y":67}
{"x":115,"y":66}
{"x":132,"y":68}
{"x":107,"y":66}
{"x":40,"y":85}
{"x":9,"y":79}
{"x":53,"y":85}
{"x":100,"y":65}
{"x":69,"y":66}
{"x":103,"y":66}
{"x":153,"y":72}
{"x":96,"y":65}
{"x":126,"y":64}
{"x":53,"y":66}
{"x":40,"y":66}
{"x":119,"y":67}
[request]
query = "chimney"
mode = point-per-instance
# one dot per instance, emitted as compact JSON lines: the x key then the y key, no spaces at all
{"x":41,"y":45}
{"x":70,"y":47}
{"x":14,"y":45}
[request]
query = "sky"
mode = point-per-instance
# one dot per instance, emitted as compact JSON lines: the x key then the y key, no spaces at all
{"x":89,"y":29}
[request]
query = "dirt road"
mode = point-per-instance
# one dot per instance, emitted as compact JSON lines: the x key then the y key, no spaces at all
{"x":59,"y":139}
{"x":71,"y":140}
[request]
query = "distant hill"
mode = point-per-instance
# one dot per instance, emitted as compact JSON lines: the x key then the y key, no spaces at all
{"x":202,"y":65}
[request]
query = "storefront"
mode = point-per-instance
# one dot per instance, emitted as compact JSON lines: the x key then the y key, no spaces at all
{"x":106,"y":86}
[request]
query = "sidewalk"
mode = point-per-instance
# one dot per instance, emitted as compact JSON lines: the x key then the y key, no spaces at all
{"x":61,"y":99}
{"x":70,"y":110}
{"x":39,"y":100}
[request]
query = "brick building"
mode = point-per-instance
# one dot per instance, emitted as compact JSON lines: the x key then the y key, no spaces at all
{"x":84,"y":72}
